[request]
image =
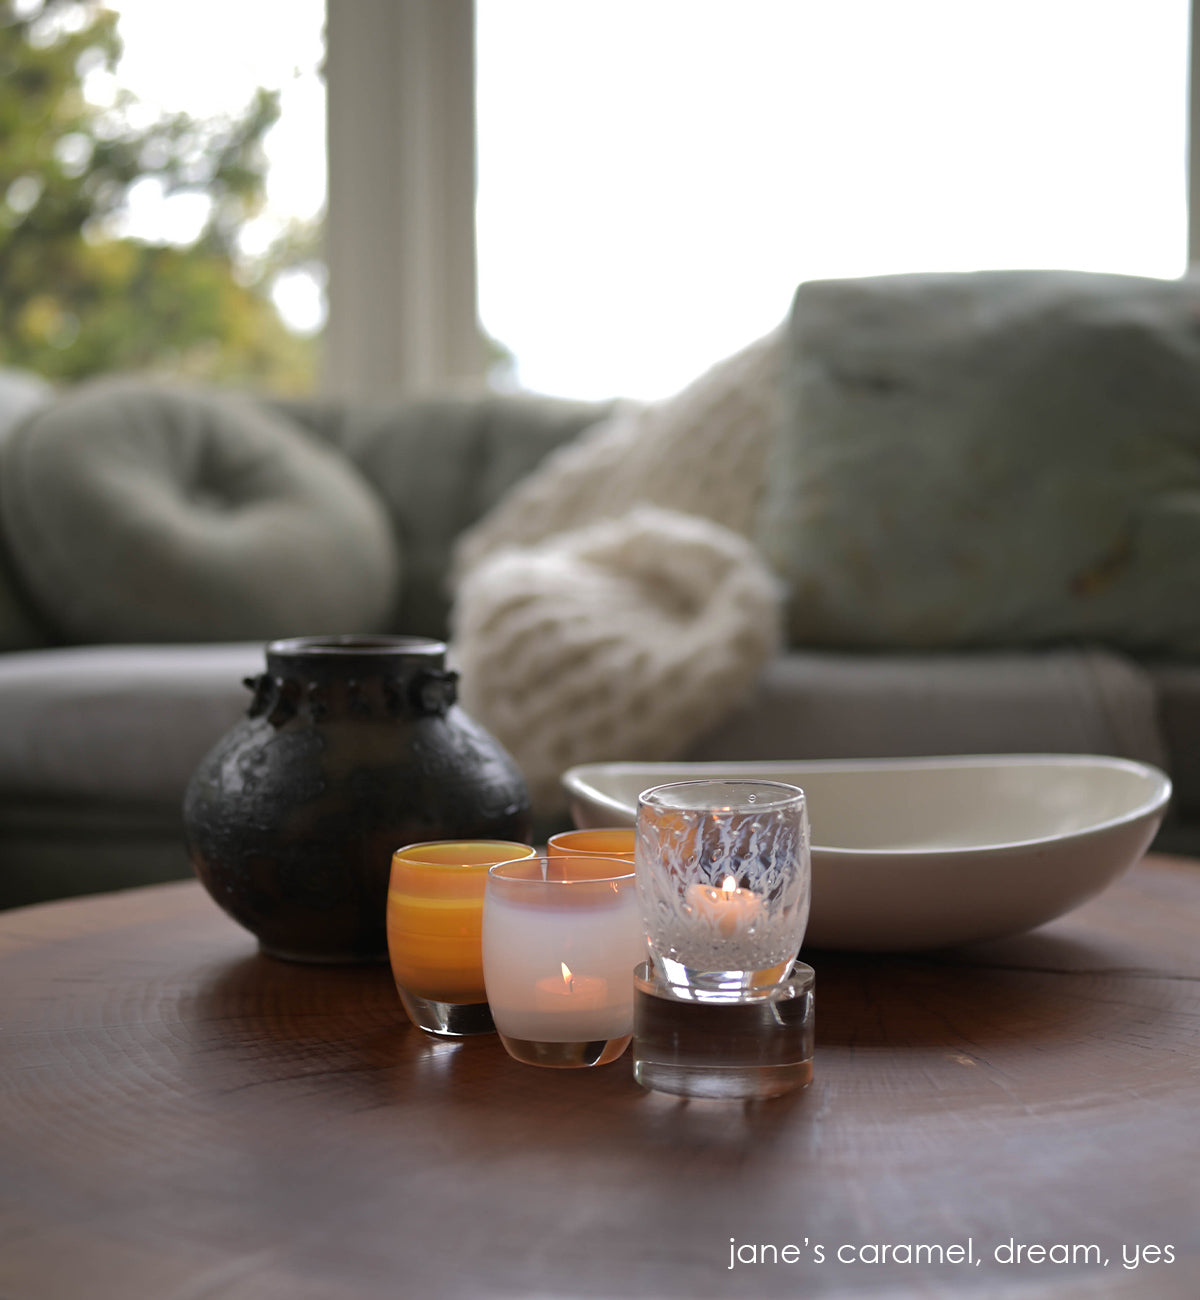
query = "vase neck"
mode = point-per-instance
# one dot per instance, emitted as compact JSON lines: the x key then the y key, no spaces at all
{"x":334,"y":658}
{"x":314,"y":678}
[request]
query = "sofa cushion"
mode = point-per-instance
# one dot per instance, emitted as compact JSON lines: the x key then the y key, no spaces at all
{"x":121,"y":726}
{"x":814,"y":704}
{"x":989,"y":460}
{"x":135,"y":512}
{"x":97,"y":748}
{"x":20,"y":627}
{"x":1178,"y":689}
{"x":438,"y":463}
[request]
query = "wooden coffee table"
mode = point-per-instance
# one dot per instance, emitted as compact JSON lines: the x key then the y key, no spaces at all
{"x":183,"y":1119}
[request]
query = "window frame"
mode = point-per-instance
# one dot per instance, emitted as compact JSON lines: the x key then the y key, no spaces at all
{"x":400,"y":240}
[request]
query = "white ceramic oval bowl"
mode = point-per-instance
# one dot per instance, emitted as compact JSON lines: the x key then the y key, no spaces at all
{"x":930,"y":852}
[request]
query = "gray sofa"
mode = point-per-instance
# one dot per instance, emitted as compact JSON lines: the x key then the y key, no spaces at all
{"x":117,"y":674}
{"x":98,"y":742}
{"x":146,"y":526}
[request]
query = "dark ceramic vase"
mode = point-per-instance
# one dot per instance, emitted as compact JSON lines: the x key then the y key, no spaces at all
{"x":352,"y":747}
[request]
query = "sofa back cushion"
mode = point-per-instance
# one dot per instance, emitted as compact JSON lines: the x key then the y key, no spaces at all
{"x":21,"y":393}
{"x":438,"y":464}
{"x":989,"y":460}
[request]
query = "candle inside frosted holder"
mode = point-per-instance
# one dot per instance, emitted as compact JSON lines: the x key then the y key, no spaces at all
{"x":723,"y":877}
{"x":561,"y":938}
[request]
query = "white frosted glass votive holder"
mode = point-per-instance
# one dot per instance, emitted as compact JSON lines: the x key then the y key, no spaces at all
{"x":561,"y":939}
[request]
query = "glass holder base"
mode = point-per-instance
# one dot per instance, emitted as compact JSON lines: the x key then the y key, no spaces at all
{"x":755,"y":1043}
{"x":447,"y":1019}
{"x":565,"y":1056}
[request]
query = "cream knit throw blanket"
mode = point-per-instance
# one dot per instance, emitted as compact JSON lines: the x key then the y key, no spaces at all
{"x":612,"y":607}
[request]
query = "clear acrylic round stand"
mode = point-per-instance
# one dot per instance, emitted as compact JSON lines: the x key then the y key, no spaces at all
{"x":757,"y":1043}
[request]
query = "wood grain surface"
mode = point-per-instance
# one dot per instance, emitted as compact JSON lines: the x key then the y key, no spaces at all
{"x":183,"y":1119}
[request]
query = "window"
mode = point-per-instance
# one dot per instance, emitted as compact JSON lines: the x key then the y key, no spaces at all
{"x":130,"y":237}
{"x":654,"y":179}
{"x":233,"y":48}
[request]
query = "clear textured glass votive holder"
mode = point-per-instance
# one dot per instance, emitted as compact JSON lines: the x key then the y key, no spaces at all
{"x":434,"y":927}
{"x":561,"y":938}
{"x":756,"y":1045}
{"x":724,"y":880}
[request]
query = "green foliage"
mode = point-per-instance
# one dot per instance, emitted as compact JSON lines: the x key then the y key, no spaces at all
{"x":76,"y":299}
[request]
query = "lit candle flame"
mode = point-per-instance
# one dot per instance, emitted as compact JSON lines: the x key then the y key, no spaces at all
{"x":729,"y":884}
{"x":568,"y":978}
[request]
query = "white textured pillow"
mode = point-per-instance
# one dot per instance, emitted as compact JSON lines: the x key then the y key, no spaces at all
{"x":623,"y":640}
{"x":700,"y":452}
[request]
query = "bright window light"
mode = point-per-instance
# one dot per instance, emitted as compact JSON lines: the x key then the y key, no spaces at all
{"x":232,"y":47}
{"x":657,"y":176}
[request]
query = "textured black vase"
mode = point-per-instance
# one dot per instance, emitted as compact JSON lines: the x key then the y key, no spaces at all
{"x":352,"y":747}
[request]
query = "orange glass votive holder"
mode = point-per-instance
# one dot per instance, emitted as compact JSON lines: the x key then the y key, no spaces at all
{"x":602,"y":842}
{"x":434,"y":924}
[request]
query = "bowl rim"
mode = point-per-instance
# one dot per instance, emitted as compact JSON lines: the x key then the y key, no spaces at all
{"x":575,"y":781}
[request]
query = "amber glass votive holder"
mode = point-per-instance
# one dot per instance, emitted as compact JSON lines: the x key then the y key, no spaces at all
{"x":602,"y":841}
{"x":434,"y":925}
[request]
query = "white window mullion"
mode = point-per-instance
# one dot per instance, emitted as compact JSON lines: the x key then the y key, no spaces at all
{"x":400,"y":227}
{"x":1193,"y":159}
